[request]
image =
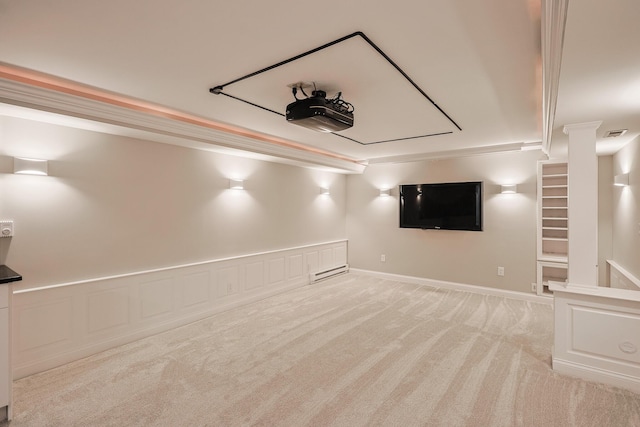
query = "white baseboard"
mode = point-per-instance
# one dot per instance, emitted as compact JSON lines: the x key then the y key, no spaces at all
{"x":457,"y":286}
{"x":591,"y":373}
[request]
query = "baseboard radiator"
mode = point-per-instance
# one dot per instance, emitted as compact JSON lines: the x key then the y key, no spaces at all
{"x":325,"y":274}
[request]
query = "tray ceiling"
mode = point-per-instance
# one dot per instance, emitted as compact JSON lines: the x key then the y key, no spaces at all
{"x":478,"y":61}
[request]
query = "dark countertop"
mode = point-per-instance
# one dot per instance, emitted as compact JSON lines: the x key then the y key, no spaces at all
{"x":8,"y":275}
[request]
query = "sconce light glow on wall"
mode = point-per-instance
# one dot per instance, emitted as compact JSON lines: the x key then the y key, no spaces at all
{"x":385,"y":192}
{"x":236,"y":184}
{"x":621,"y":180}
{"x":30,"y":166}
{"x":509,"y":189}
{"x":324,"y":191}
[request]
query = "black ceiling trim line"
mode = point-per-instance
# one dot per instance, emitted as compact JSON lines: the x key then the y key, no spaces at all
{"x":218,"y":90}
{"x":412,"y":137}
{"x":406,"y":76}
{"x":350,"y":139}
{"x":395,"y":139}
{"x":251,"y":103}
{"x":286,"y":61}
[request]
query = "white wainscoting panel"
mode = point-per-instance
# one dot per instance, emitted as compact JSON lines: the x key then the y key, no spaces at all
{"x":326,"y":259}
{"x":228,"y":281}
{"x":339,"y":256}
{"x":312,"y":260}
{"x":107,"y":309}
{"x":196,"y":289}
{"x":606,"y":333}
{"x":42,"y":326}
{"x":597,"y":336}
{"x":276,"y":270}
{"x":296,"y":267}
{"x":254,"y":275}
{"x":60,"y":323}
{"x":156,"y":298}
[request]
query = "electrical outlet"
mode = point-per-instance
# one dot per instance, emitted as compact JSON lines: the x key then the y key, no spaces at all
{"x":6,"y":228}
{"x":534,"y":287}
{"x":500,"y":271}
{"x":383,"y":258}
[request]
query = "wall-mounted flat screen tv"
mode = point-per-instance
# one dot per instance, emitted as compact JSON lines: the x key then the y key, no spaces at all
{"x":442,"y":206}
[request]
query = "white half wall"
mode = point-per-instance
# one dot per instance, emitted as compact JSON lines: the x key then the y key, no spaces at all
{"x":596,"y":335}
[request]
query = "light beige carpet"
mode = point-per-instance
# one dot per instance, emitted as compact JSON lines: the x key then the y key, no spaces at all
{"x":349,"y":351}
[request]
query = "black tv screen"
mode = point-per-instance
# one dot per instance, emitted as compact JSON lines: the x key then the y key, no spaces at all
{"x":443,"y":206}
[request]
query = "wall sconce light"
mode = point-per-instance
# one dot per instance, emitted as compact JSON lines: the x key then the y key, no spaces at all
{"x":236,"y":184}
{"x":509,"y":189}
{"x":385,"y":192}
{"x":324,"y":191}
{"x":621,"y":180}
{"x":30,"y":166}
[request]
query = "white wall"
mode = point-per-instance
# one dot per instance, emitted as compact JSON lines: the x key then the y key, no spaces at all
{"x":605,"y":217}
{"x":114,"y":205}
{"x":508,"y":239}
{"x":626,"y":209}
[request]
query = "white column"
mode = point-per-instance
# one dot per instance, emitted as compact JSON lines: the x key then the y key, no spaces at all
{"x":583,"y":204}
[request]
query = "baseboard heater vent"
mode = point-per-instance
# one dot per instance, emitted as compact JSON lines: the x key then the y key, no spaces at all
{"x":325,"y":274}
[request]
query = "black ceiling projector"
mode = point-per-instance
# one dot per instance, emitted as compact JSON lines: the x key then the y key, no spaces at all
{"x":320,"y":114}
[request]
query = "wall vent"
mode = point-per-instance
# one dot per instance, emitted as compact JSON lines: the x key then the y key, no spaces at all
{"x":615,"y":133}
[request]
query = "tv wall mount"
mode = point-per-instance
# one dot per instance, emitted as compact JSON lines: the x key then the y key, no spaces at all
{"x":219,"y":89}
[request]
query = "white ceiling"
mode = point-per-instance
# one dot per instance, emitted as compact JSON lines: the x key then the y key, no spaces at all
{"x":600,"y":75}
{"x":479,"y":61}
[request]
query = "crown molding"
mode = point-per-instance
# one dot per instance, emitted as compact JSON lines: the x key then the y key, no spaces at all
{"x":463,"y":152}
{"x":161,"y":124}
{"x":554,"y":20}
{"x":581,"y":126}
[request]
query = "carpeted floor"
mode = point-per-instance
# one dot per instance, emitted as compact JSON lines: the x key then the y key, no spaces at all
{"x":350,"y":351}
